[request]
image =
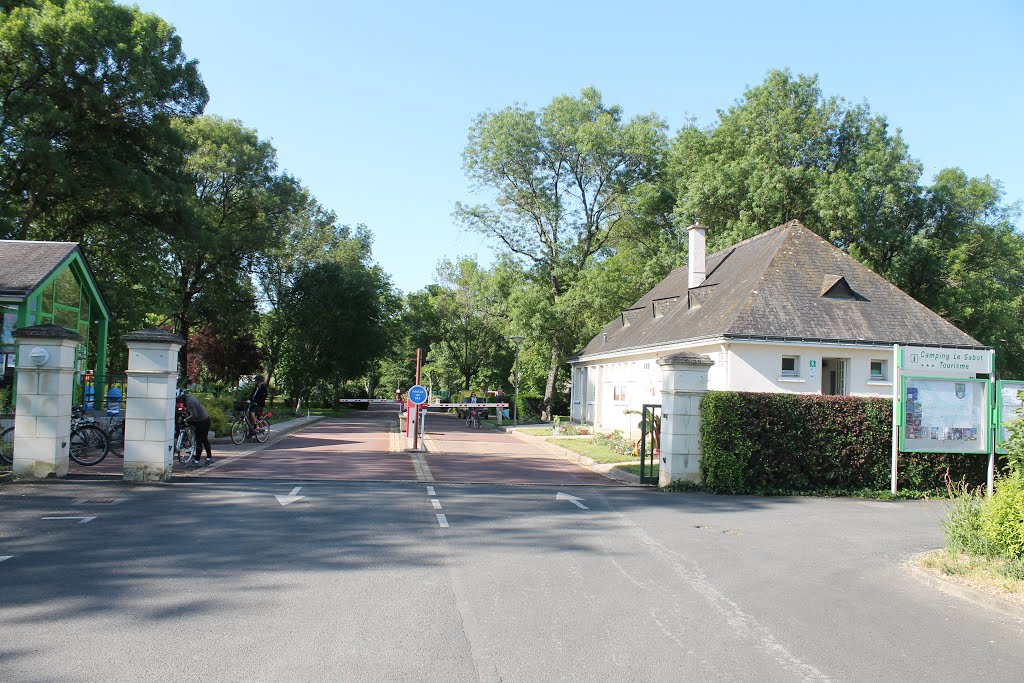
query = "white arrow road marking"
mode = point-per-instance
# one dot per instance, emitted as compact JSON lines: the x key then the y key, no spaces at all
{"x":574,"y":499}
{"x":290,"y":498}
{"x":442,"y":521}
{"x":84,"y":520}
{"x":5,"y":557}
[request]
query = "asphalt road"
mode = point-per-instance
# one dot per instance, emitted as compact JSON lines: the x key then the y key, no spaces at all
{"x":364,"y":581}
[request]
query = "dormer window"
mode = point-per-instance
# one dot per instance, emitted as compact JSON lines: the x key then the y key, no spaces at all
{"x":836,"y":287}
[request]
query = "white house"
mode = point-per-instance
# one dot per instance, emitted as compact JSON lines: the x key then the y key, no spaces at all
{"x":785,"y":311}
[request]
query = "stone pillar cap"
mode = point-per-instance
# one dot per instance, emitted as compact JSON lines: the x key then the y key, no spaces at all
{"x":46,"y":332}
{"x":686,"y":358}
{"x":153,"y":334}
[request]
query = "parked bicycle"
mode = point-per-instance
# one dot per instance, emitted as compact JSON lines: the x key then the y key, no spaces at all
{"x":242,"y":427}
{"x":89,"y":444}
{"x":113,"y":425}
{"x":7,"y":446}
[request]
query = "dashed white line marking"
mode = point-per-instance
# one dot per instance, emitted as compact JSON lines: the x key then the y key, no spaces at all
{"x":5,"y":557}
{"x":436,"y":503}
{"x":430,"y":491}
{"x":442,"y":521}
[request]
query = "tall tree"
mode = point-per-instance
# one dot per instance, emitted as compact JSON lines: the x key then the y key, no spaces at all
{"x":309,"y":234}
{"x":562,"y":177}
{"x":88,"y":93}
{"x":238,"y":210}
{"x":471,"y":335}
{"x":326,"y":351}
{"x":785,"y":151}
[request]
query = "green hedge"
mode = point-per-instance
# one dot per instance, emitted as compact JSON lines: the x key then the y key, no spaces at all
{"x":760,"y":443}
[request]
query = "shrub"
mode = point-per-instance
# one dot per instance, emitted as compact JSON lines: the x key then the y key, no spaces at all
{"x":1002,"y":519}
{"x":963,"y":529}
{"x":769,"y":442}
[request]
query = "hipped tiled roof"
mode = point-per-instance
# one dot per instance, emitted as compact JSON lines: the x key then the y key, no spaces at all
{"x":23,"y":265}
{"x":772,"y":286}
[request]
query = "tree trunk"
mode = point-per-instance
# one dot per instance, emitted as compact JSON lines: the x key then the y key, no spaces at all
{"x":549,"y":389}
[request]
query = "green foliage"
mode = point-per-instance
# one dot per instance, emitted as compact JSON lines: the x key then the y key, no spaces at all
{"x":963,"y":526}
{"x":5,"y":399}
{"x":1002,"y":519}
{"x":322,"y":352}
{"x":1015,"y":446}
{"x":221,"y":410}
{"x":785,"y":151}
{"x":562,"y":177}
{"x":778,"y":443}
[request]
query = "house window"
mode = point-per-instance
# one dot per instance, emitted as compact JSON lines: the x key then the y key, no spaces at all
{"x":791,"y":366}
{"x":619,"y":393}
{"x":879,"y":371}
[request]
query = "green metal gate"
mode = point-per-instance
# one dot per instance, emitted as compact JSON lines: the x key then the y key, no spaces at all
{"x":650,"y":443}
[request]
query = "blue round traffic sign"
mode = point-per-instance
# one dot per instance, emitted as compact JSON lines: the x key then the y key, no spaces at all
{"x":417,"y":395}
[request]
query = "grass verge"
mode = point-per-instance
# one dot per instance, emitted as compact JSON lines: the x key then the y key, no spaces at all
{"x":635,"y":469}
{"x":597,"y":452}
{"x":981,"y":573}
{"x":535,"y":431}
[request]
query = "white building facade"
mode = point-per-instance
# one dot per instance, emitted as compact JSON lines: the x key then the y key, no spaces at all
{"x":782,"y":312}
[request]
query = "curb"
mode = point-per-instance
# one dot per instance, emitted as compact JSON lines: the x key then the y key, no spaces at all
{"x":1003,"y":605}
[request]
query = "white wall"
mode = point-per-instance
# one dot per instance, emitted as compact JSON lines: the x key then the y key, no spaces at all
{"x":739,"y":366}
{"x":758,"y":367}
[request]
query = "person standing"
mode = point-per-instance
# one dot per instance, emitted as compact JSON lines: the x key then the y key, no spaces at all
{"x":501,"y":398}
{"x":199,"y":418}
{"x":257,"y":402}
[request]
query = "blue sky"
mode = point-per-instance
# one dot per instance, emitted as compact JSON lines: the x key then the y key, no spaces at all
{"x":369,"y":104}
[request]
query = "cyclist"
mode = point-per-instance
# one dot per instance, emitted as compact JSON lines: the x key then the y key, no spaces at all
{"x":472,"y":399}
{"x":257,"y":402}
{"x":197,"y":415}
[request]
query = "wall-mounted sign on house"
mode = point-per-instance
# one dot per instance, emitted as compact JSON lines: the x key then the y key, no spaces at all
{"x":50,"y":283}
{"x":785,"y":311}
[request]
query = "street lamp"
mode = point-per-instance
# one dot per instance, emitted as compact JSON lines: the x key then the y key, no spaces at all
{"x":515,"y":381}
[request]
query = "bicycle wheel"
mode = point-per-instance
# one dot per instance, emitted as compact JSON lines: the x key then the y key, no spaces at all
{"x":7,"y":446}
{"x":185,"y":446}
{"x":263,"y":432}
{"x":89,"y":445}
{"x":116,"y":436}
{"x":238,"y":431}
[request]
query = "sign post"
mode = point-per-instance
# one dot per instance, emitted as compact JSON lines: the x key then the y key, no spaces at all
{"x":417,"y":397}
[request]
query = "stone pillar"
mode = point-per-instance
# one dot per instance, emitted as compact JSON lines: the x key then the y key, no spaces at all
{"x":683,"y":385}
{"x":149,"y":411}
{"x":42,"y":422}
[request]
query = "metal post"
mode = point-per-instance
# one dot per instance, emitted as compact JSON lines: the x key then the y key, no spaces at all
{"x":515,"y":382}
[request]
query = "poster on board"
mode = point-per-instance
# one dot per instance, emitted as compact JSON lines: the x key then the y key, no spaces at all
{"x":944,"y":415}
{"x":1009,"y":409}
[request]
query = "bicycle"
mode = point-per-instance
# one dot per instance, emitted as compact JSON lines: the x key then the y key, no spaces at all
{"x":89,"y":444}
{"x":114,"y":428}
{"x":7,"y":446}
{"x":242,"y":428}
{"x":184,"y":440}
{"x":473,"y":418}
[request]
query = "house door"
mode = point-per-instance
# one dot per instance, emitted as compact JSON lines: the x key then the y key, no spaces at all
{"x":833,"y":376}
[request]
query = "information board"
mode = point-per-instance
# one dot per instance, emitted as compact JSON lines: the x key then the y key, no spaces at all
{"x":943,"y":415}
{"x":1008,"y":405}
